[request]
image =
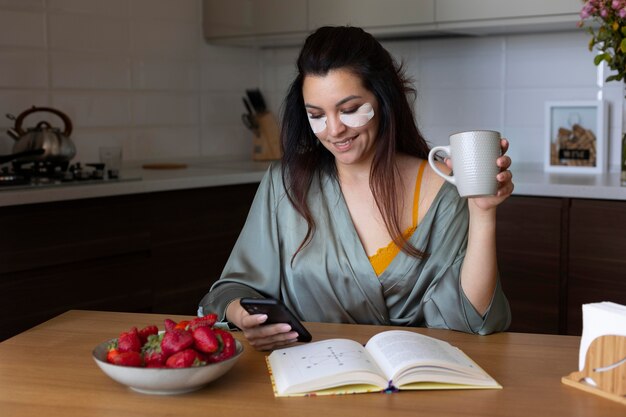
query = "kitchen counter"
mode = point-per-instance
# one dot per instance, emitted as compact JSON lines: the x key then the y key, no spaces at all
{"x":529,"y":180}
{"x":199,"y":173}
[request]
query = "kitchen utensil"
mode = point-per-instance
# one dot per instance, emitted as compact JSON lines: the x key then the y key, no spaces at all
{"x":257,"y":100}
{"x":10,"y":157}
{"x":246,"y":103}
{"x":249,"y":118}
{"x":56,"y":144}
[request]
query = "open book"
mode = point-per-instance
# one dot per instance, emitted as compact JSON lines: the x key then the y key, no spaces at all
{"x":390,"y":361}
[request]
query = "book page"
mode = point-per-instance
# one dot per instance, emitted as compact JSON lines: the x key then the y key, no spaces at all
{"x":324,"y":364}
{"x":397,"y":351}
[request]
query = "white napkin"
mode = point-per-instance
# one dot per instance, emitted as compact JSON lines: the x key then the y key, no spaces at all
{"x":599,"y":319}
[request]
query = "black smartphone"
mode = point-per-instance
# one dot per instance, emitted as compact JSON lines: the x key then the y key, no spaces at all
{"x":276,"y":312}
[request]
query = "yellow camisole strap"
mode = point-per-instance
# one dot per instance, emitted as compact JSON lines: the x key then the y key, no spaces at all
{"x":383,"y":256}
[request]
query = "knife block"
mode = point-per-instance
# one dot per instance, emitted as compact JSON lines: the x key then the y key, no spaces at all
{"x":605,"y":364}
{"x":266,"y":141}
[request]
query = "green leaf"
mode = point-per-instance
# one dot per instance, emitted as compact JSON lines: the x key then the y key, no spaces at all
{"x":612,"y":78}
{"x":622,"y":46}
{"x":624,"y":30}
{"x":602,"y":57}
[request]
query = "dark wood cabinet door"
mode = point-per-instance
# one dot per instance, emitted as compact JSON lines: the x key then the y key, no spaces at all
{"x":597,"y":256}
{"x":193,"y":234}
{"x":157,"y":252}
{"x":528,"y":235}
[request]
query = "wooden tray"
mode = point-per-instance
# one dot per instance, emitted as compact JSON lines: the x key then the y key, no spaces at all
{"x":164,"y":165}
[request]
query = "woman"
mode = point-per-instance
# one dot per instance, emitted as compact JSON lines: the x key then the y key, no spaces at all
{"x":354,"y":226}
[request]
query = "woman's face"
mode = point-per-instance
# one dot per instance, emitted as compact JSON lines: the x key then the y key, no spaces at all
{"x":343,"y":115}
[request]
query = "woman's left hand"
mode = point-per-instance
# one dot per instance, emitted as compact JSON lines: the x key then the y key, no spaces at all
{"x":505,"y":182}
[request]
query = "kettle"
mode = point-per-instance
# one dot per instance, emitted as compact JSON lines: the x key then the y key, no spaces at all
{"x":56,"y":144}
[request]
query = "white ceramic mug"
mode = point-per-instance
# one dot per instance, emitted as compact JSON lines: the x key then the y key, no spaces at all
{"x":473,"y":154}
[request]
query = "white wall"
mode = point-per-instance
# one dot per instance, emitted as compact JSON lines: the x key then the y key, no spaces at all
{"x":138,"y":73}
{"x":495,"y":82}
{"x":135,"y":73}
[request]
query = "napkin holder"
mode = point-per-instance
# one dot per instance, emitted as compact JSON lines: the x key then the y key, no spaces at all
{"x":266,"y":142}
{"x":605,"y":364}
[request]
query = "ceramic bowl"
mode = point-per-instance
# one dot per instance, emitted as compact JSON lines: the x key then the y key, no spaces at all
{"x":164,"y":381}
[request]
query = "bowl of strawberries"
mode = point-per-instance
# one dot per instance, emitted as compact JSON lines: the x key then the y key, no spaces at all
{"x":184,"y":357}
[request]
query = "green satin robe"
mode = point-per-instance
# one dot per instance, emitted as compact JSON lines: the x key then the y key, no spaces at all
{"x":332,"y":280}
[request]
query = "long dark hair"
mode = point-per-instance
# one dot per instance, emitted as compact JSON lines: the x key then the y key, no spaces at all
{"x":353,"y":49}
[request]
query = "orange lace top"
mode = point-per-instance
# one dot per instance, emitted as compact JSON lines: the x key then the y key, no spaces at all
{"x":383,"y":256}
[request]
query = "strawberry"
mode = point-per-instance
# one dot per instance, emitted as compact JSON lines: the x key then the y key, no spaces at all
{"x":127,"y":359}
{"x":204,"y":340}
{"x":208,"y":321}
{"x":227,"y":346}
{"x":147,"y":331}
{"x":111,"y":354}
{"x":184,"y":359}
{"x":129,"y":341}
{"x":182,"y":325}
{"x":176,"y":340}
{"x":169,"y":325}
{"x":153,"y":356}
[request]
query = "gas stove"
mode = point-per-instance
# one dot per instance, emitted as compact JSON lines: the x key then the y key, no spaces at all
{"x":47,"y":174}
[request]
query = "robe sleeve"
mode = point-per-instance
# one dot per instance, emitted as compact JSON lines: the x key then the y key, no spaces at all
{"x":253,"y":268}
{"x":445,"y":304}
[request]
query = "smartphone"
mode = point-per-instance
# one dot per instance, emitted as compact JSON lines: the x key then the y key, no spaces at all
{"x":276,"y":312}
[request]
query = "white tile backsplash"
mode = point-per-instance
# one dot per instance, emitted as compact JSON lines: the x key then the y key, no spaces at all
{"x":22,"y":29}
{"x":161,"y":74}
{"x":22,"y":4}
{"x":165,"y":37}
{"x":130,"y":73}
{"x":165,"y":109}
{"x":95,"y":110}
{"x":166,"y":142}
{"x":25,"y":68}
{"x":110,"y":8}
{"x":90,"y":71}
{"x":138,"y":74}
{"x":181,"y":10}
{"x":88,"y":33}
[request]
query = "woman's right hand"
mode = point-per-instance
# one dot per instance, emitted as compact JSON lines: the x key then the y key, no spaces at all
{"x":261,"y":337}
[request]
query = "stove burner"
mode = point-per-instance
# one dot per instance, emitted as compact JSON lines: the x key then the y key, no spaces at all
{"x":12,"y":179}
{"x":51,"y":173}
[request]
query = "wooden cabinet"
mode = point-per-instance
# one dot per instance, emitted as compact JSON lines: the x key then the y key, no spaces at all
{"x":193,"y":233}
{"x":464,"y":10}
{"x":486,"y":17}
{"x":372,"y":15}
{"x":529,"y":242}
{"x":556,"y":254}
{"x":597,"y":256}
{"x":156,"y":252}
{"x":160,"y":252}
{"x":287,"y":22}
{"x":244,"y":21}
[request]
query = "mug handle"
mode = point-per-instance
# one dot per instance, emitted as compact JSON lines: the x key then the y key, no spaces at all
{"x":431,"y":161}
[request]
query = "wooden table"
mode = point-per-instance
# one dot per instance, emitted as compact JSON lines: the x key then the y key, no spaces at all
{"x":48,"y":371}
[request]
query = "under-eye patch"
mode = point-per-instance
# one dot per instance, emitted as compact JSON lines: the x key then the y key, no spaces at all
{"x":359,"y":118}
{"x":318,"y":124}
